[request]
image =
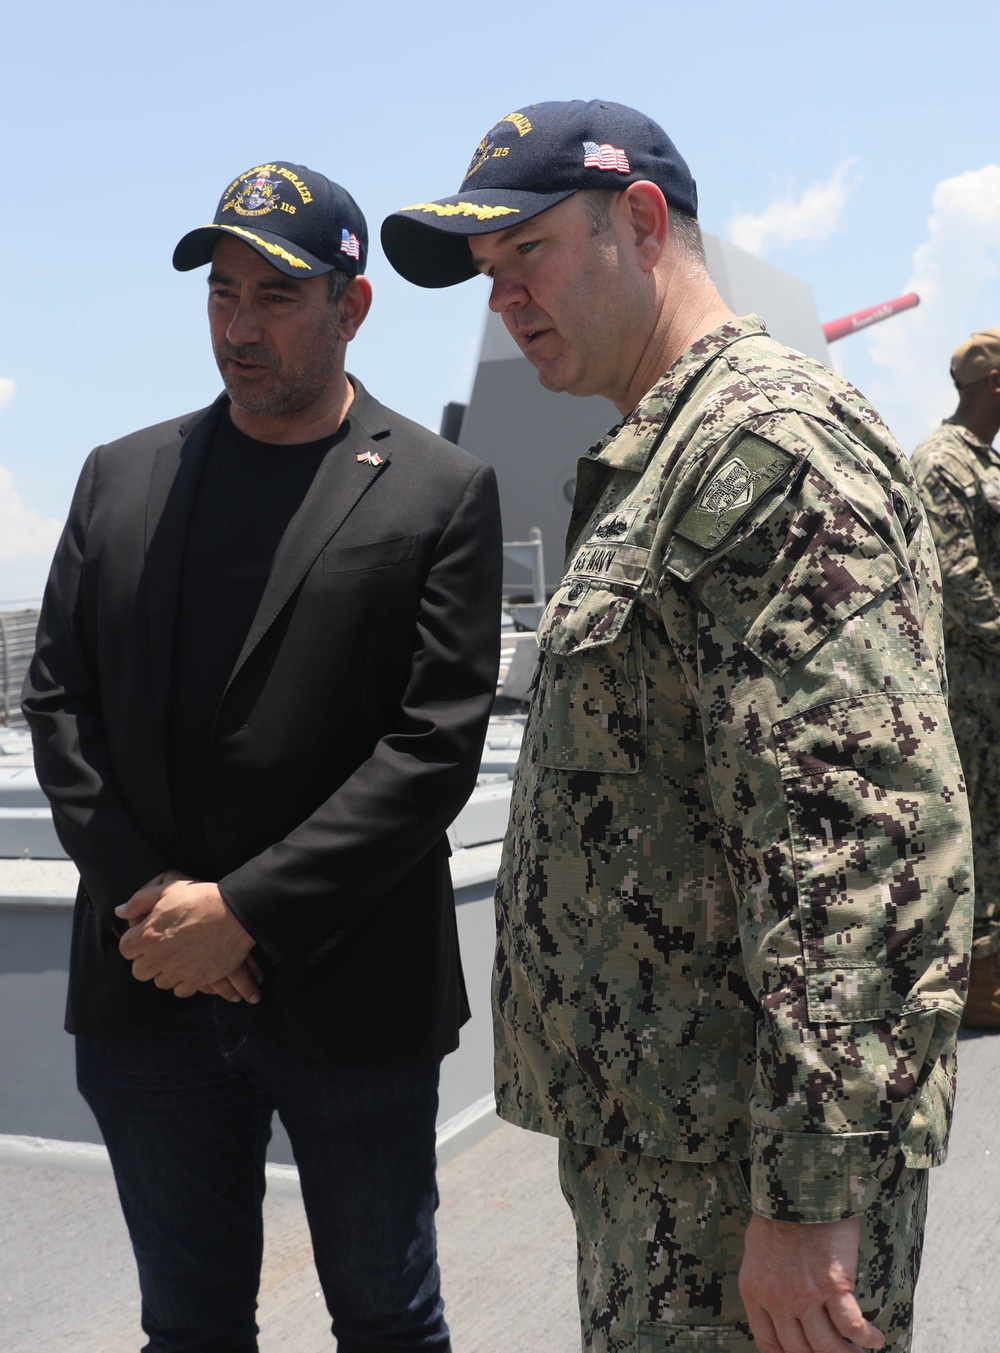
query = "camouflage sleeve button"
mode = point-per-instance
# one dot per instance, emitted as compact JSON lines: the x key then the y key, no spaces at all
{"x":888,"y":1169}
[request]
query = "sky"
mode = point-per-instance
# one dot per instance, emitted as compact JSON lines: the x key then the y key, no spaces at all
{"x":854,"y":145}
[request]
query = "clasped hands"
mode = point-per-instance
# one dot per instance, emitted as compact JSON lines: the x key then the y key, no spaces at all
{"x":183,"y":938}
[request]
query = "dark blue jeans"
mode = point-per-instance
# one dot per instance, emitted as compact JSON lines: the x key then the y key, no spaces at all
{"x":186,"y":1116}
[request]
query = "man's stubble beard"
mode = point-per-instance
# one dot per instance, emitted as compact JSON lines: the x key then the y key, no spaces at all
{"x":283,"y":394}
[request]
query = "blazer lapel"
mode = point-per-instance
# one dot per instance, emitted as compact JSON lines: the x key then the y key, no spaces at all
{"x":174,"y":481}
{"x":352,"y":465}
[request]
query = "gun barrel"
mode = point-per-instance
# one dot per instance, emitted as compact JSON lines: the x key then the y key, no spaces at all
{"x":850,"y":324}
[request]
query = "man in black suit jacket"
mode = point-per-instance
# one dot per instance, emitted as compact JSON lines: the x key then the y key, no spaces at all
{"x":266,"y":658}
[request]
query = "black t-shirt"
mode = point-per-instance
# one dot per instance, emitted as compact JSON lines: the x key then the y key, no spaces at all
{"x":248,"y":494}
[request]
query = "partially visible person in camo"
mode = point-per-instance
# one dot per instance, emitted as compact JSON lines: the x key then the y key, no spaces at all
{"x":958,"y":477}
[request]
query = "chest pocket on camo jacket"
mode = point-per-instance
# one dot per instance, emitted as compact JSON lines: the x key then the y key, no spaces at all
{"x":589,"y":709}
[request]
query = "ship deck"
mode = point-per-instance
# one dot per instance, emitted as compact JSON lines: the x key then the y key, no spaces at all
{"x":505,"y":1235}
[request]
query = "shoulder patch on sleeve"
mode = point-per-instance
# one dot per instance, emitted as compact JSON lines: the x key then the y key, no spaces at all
{"x":751,"y":468}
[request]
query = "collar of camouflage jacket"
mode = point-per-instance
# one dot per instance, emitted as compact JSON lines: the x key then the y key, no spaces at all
{"x":970,"y":438}
{"x":630,"y":443}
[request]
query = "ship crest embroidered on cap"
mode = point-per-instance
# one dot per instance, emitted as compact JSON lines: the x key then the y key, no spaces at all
{"x":751,"y":468}
{"x":482,"y":154}
{"x":485,"y":150}
{"x":258,"y":195}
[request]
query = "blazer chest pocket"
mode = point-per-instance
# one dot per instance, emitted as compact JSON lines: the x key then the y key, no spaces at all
{"x":589,"y":709}
{"x":373,"y":554}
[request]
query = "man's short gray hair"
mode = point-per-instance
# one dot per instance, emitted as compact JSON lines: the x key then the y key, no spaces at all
{"x":687,"y":232}
{"x":337,"y":282}
{"x":599,"y":201}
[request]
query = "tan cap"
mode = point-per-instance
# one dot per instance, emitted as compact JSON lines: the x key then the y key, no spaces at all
{"x":976,"y":357}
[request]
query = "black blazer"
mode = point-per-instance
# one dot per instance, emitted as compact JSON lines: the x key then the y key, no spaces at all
{"x":347,"y":739}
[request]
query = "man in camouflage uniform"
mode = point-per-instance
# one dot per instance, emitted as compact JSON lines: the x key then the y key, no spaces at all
{"x":734,"y":906}
{"x":958,"y":477}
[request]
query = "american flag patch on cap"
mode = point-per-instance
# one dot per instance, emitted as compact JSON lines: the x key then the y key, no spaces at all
{"x":349,"y":245}
{"x":604,"y":157}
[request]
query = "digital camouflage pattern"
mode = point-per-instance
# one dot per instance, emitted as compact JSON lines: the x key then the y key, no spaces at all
{"x":734,"y":903}
{"x":958,"y":478}
{"x":659,"y":1245}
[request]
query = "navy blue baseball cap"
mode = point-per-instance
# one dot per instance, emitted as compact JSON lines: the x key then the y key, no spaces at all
{"x":302,"y":223}
{"x":528,"y":162}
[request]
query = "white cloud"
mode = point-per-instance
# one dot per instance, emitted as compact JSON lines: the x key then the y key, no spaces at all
{"x":8,"y":389}
{"x":26,"y":544}
{"x":956,"y":273}
{"x":807,"y":219}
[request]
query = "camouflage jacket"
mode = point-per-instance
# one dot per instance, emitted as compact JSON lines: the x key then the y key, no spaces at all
{"x":958,"y":478}
{"x":734,"y":904}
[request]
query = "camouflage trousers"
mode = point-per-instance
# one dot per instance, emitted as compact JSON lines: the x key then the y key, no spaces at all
{"x":660,"y":1242}
{"x":978,"y":741}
